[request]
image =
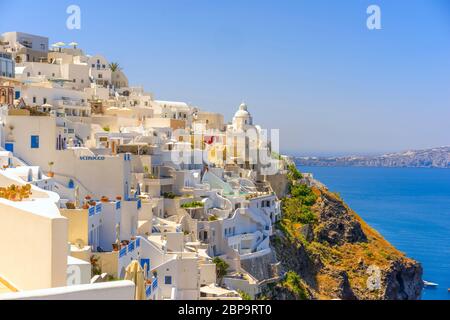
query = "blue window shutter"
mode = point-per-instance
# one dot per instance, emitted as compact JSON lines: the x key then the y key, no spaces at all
{"x":34,"y":142}
{"x":9,"y":147}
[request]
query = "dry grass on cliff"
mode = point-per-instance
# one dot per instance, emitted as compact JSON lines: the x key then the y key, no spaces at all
{"x":354,"y":258}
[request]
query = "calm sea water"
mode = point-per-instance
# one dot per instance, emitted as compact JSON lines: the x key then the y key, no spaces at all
{"x":410,"y":207}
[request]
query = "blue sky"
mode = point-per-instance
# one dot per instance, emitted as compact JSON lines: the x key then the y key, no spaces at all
{"x":310,"y":68}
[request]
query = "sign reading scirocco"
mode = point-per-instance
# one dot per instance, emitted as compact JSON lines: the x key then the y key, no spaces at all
{"x":92,"y":158}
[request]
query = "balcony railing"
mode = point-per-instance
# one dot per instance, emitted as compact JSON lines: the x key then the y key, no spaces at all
{"x":151,"y":288}
{"x":130,"y":248}
{"x":93,"y":210}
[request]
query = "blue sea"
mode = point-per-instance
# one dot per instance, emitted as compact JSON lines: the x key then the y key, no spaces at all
{"x":410,"y":207}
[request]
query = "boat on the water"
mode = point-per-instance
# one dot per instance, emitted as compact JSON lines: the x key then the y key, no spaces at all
{"x":429,"y":284}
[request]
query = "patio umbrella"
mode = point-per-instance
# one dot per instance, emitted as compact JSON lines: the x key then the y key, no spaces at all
{"x":73,"y":44}
{"x":58,"y":45}
{"x":135,"y":273}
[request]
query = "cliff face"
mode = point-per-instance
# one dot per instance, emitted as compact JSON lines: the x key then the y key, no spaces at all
{"x":338,"y":256}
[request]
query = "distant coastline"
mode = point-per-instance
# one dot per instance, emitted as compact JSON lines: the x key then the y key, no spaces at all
{"x":426,"y":158}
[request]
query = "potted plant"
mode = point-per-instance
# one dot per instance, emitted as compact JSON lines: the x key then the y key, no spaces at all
{"x":118,"y":198}
{"x":85,"y":206}
{"x":104,"y":199}
{"x":115,"y":247}
{"x":50,"y":172}
{"x":88,"y":197}
{"x":70,"y":205}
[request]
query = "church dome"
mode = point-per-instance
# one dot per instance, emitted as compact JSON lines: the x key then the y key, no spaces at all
{"x":242,"y":112}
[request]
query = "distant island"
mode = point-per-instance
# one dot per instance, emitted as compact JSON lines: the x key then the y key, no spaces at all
{"x":427,"y":158}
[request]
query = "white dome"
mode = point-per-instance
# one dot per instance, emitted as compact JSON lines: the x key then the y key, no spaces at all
{"x":242,"y":112}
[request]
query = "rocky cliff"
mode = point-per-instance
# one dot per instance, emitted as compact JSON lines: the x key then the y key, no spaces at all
{"x":327,"y":251}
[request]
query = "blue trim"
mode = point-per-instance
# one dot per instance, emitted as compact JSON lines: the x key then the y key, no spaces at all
{"x":34,"y":142}
{"x":155,"y":283}
{"x":144,"y":262}
{"x":138,"y":242}
{"x":148,"y":291}
{"x":122,"y":252}
{"x":131,"y":247}
{"x":71,"y":184}
{"x":9,"y":147}
{"x":139,"y":204}
{"x":91,"y":211}
{"x":118,"y":205}
{"x":98,"y":208}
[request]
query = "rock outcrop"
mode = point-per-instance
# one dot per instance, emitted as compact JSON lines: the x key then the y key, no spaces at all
{"x":341,"y":257}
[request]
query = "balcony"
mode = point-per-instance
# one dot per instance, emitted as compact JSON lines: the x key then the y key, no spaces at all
{"x":150,"y":288}
{"x":129,"y":248}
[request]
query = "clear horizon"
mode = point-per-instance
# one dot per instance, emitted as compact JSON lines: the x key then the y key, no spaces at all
{"x":310,"y":68}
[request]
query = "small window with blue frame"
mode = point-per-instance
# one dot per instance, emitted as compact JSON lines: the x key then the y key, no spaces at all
{"x":34,"y":142}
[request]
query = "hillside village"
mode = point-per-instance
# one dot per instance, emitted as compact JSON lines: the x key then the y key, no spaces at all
{"x":108,"y":193}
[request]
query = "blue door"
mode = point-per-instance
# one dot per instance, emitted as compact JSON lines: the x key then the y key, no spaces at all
{"x":143,"y":263}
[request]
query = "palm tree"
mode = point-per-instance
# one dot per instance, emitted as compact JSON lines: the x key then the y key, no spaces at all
{"x":114,"y":66}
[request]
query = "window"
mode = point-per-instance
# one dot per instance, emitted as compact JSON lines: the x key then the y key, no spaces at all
{"x":168,"y":280}
{"x":82,"y":80}
{"x":53,"y":74}
{"x":34,"y":99}
{"x":74,"y":80}
{"x":44,"y":100}
{"x":28,"y":74}
{"x":39,"y":73}
{"x":34,"y":142}
{"x":17,"y":96}
{"x":100,"y":76}
{"x":93,"y":65}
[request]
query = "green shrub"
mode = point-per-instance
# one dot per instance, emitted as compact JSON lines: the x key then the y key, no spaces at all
{"x":169,"y":195}
{"x":294,"y":284}
{"x":193,"y":204}
{"x":244,"y":295}
{"x":297,"y":212}
{"x":293,"y":173}
{"x":221,"y":267}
